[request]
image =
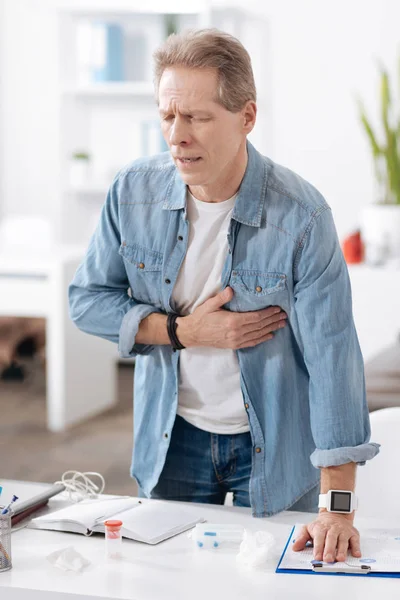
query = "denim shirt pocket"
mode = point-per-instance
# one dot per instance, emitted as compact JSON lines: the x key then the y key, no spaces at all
{"x":144,"y":270}
{"x":254,"y":290}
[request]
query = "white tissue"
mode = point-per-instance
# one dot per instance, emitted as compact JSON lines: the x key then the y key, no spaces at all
{"x":255,"y":548}
{"x":68,"y":559}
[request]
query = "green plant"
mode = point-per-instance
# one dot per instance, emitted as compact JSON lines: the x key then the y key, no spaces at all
{"x":386,"y":154}
{"x":81,"y":156}
{"x":171,"y":24}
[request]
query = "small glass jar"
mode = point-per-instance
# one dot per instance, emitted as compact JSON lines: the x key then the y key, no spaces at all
{"x":113,"y":538}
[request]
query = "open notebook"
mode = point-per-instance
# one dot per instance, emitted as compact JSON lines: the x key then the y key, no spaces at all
{"x":149,"y":521}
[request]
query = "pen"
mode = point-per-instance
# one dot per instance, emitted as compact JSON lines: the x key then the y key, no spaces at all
{"x":7,"y":508}
{"x":1,"y":489}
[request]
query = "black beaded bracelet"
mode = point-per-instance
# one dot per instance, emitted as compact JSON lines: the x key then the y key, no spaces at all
{"x":171,"y":329}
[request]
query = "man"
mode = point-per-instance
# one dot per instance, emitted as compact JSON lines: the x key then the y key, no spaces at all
{"x":261,"y":369}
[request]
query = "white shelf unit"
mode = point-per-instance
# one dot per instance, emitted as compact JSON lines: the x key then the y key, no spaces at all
{"x":108,"y":119}
{"x":114,"y":89}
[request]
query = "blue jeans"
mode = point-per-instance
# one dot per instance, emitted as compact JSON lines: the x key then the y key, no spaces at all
{"x":202,"y":467}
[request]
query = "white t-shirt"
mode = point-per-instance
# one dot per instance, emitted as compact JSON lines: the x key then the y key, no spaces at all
{"x":210,"y":396}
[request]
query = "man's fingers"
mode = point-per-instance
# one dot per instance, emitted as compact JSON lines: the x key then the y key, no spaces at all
{"x":354,"y":543}
{"x":238,"y":330}
{"x":301,"y":539}
{"x":342,"y":547}
{"x":319,"y":535}
{"x":256,"y":316}
{"x":258,"y":337}
{"x":218,"y":301}
{"x":332,"y":535}
{"x":265,"y":326}
{"x":252,"y":343}
{"x":331,"y":542}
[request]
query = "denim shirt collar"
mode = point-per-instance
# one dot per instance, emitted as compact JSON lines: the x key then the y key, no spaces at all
{"x":250,"y":201}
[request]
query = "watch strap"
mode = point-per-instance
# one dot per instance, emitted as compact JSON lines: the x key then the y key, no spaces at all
{"x":322,"y":501}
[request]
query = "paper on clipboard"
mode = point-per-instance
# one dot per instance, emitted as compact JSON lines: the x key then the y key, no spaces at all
{"x":380,"y":551}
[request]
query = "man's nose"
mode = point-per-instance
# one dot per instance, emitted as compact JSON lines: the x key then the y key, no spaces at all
{"x":179,"y":133}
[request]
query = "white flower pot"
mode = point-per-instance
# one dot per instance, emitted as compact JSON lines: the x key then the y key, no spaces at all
{"x":380,"y":230}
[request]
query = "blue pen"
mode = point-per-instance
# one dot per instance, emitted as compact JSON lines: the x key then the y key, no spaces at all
{"x":7,"y":508}
{"x":1,"y":489}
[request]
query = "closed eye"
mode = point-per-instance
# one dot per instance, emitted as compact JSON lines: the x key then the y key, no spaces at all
{"x":188,"y":117}
{"x":197,"y":118}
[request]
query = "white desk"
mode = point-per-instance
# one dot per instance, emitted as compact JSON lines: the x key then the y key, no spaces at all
{"x":174,"y":570}
{"x":80,"y":369}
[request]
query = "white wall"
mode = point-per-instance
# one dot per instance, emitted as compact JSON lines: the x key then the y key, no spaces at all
{"x":29,"y":109}
{"x":322,"y":53}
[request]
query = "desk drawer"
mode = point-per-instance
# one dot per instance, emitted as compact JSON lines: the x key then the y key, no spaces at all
{"x":24,"y":296}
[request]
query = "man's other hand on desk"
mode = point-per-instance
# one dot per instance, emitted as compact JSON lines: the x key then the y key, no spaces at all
{"x":331,"y":535}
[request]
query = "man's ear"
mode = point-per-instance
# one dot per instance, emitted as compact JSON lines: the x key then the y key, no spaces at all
{"x":249,"y":112}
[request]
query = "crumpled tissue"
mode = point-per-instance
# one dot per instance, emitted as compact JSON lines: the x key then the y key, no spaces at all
{"x":255,"y":548}
{"x":68,"y":559}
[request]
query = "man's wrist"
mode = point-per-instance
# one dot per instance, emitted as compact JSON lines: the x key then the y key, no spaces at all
{"x":340,"y":477}
{"x":183,"y":331}
{"x":346,"y":516}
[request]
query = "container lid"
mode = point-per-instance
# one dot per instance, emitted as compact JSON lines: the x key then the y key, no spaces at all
{"x":113,"y":524}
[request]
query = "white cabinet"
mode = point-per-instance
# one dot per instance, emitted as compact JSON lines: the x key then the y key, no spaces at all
{"x":116,"y":121}
{"x":80,"y":368}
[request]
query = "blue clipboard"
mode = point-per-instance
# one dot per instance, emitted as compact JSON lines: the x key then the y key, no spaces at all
{"x":369,"y":573}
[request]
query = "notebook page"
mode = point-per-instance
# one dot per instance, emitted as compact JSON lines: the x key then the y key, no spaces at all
{"x":155,"y":521}
{"x":87,"y":512}
{"x":380,"y":550}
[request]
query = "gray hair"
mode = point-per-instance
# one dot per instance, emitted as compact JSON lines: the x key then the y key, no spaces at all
{"x":210,"y":49}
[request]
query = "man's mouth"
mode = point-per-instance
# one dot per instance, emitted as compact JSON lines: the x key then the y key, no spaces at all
{"x":189,"y":160}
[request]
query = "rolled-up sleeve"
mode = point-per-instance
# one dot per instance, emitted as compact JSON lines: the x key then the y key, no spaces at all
{"x":99,"y":301}
{"x":338,"y":408}
{"x":339,"y":456}
{"x":127,"y":347}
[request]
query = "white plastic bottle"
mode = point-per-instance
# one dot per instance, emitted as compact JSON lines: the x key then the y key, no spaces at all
{"x":113,"y":538}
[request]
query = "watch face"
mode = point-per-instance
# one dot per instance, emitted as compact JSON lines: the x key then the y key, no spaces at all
{"x":341,"y":501}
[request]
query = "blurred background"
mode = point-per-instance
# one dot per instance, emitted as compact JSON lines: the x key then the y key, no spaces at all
{"x":77,"y":104}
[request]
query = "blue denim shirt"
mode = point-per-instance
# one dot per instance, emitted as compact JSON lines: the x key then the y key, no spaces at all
{"x":304,"y":390}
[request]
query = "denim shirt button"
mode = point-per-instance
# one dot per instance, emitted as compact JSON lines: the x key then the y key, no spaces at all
{"x":167,"y":281}
{"x":166,"y":435}
{"x":141,"y":265}
{"x":246,"y":406}
{"x":180,"y":238}
{"x":258,"y":289}
{"x":258,"y":450}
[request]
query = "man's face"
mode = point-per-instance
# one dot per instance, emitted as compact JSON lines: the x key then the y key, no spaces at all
{"x":204,"y":138}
